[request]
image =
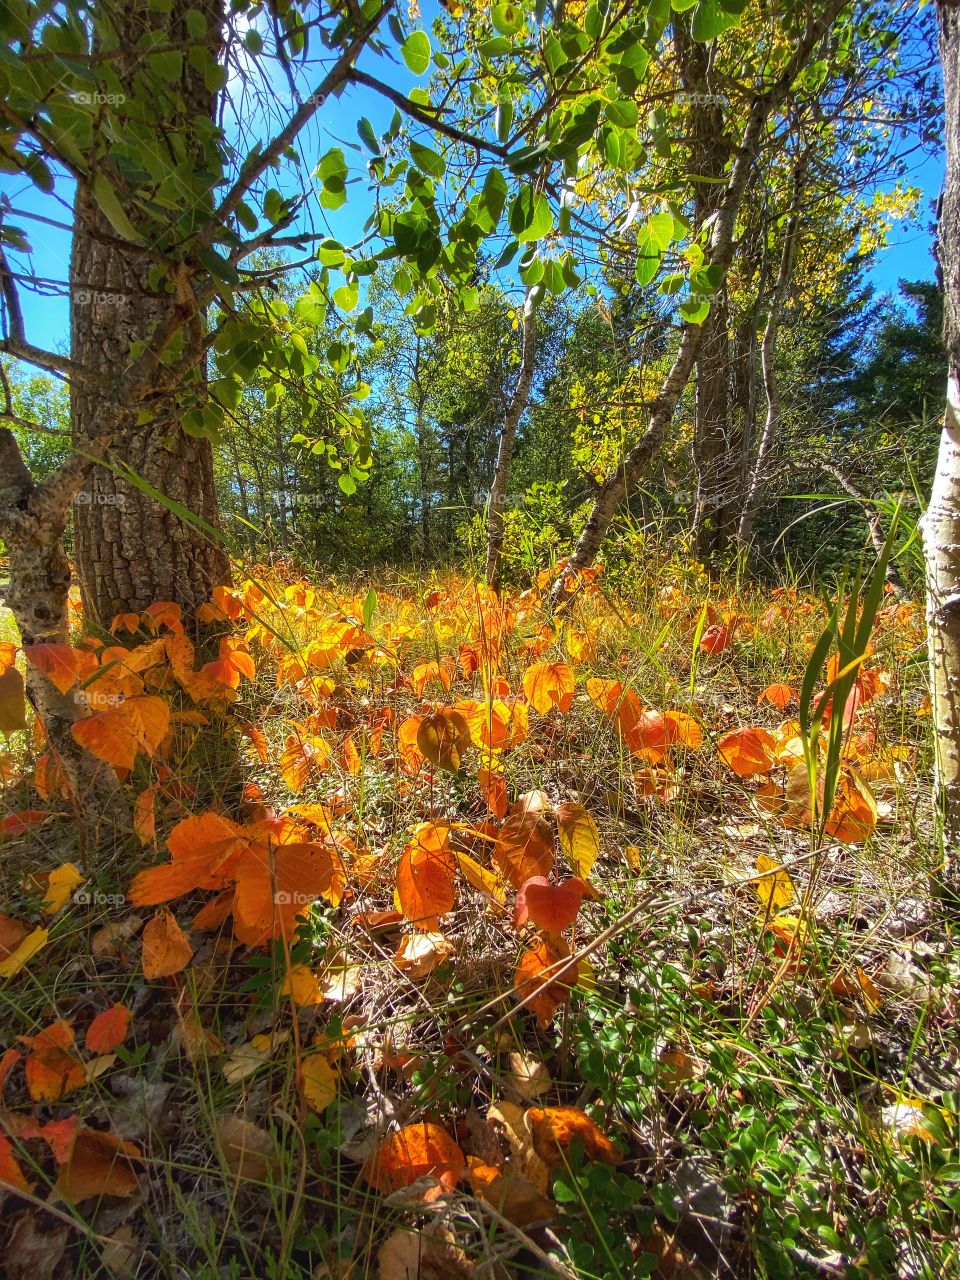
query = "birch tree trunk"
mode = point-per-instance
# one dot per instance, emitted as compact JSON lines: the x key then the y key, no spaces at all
{"x":941,"y":524}
{"x":508,"y":434}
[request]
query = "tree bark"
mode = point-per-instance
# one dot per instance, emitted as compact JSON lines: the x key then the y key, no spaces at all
{"x":613,"y":490}
{"x":508,"y":434}
{"x":714,"y":458}
{"x":32,"y":520}
{"x":941,"y":524}
{"x":768,"y":364}
{"x":132,"y":550}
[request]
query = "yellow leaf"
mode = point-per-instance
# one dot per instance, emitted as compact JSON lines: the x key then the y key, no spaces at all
{"x":318,"y":1081}
{"x":776,"y":889}
{"x":579,"y":837}
{"x":23,"y":953}
{"x":60,"y":885}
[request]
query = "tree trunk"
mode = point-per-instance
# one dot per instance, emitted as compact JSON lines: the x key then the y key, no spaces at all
{"x":132,"y":550}
{"x":768,"y":363}
{"x":715,"y":462}
{"x":941,"y":524}
{"x":878,"y":536}
{"x":32,"y":520}
{"x":720,"y":252}
{"x":508,"y":434}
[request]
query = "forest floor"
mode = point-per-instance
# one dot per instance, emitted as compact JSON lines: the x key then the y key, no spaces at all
{"x":466,"y":939}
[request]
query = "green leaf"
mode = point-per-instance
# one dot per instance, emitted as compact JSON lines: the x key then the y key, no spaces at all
{"x":494,"y":196}
{"x":495,"y":48}
{"x":367,"y":135}
{"x":711,"y":20}
{"x":660,"y":229}
{"x":695,"y":310}
{"x":622,"y":113}
{"x":113,"y":210}
{"x":254,"y":41}
{"x":347,"y":484}
{"x":507,"y":19}
{"x":428,"y":161}
{"x":415,"y":52}
{"x":530,"y":216}
{"x":330,"y":253}
{"x":504,"y":119}
{"x":648,"y":259}
{"x":347,"y":296}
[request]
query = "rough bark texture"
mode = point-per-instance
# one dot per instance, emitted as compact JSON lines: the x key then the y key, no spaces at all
{"x":941,"y":524}
{"x":615,"y":487}
{"x":132,"y":550}
{"x":508,"y":434}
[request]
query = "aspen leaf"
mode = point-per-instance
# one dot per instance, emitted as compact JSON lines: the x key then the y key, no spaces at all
{"x":12,"y":933}
{"x":108,"y":1029}
{"x":529,"y":1076}
{"x":12,"y":1177}
{"x":60,"y":884}
{"x":515,"y":1197}
{"x":248,"y":1151}
{"x":533,"y":969}
{"x":547,"y":685}
{"x":853,"y":817}
{"x":479,"y":878}
{"x":276,"y":886}
{"x":166,"y":950}
{"x":748,"y":751}
{"x":302,"y":985}
{"x":52,"y":1067}
{"x":716,"y":639}
{"x":579,"y":837}
{"x":422,"y":1255}
{"x":420,"y":953}
{"x":554,"y":1129}
{"x":144,"y":816}
{"x":414,"y":1152}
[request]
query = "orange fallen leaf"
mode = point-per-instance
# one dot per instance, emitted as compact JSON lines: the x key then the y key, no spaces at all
{"x":416,"y":1151}
{"x":748,"y":751}
{"x":554,"y":1129}
{"x":108,"y":1029}
{"x":99,"y":1165}
{"x":166,"y":950}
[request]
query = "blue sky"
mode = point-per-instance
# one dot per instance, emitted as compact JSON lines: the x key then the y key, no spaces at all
{"x":907,"y":257}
